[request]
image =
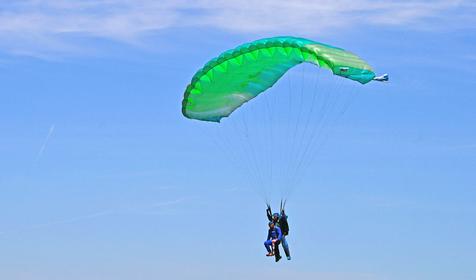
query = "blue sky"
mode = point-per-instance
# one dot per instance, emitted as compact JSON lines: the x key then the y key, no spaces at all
{"x":103,"y":178}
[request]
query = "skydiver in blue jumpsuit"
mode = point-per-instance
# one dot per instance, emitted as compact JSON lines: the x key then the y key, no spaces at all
{"x":272,"y":241}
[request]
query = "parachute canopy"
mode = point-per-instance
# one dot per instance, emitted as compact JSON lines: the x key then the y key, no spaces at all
{"x":240,"y":74}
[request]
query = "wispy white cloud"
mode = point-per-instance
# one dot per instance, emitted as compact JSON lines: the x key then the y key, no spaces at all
{"x":45,"y":143}
{"x":471,"y":57}
{"x":74,"y":219}
{"x":38,"y":26}
{"x":166,"y":203}
{"x":468,"y":147}
{"x":158,"y":207}
{"x":146,"y":209}
{"x":60,"y":222}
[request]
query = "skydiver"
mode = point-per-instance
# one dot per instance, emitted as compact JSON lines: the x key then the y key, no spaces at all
{"x":280,"y":220}
{"x":272,"y":241}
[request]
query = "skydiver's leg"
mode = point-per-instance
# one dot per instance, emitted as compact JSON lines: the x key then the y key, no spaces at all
{"x":286,"y":247}
{"x":277,"y":255}
{"x":268,"y":244}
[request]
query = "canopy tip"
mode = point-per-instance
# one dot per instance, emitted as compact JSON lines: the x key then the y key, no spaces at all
{"x":382,"y":78}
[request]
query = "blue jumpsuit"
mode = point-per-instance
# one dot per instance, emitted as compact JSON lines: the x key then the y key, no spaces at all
{"x":274,"y":233}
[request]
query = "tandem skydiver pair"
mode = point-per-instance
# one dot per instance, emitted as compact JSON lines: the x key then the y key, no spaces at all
{"x":277,"y":232}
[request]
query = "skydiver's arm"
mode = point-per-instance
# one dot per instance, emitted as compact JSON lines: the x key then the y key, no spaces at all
{"x":283,"y":223}
{"x":280,"y":234}
{"x":269,"y":213}
{"x":283,"y":215}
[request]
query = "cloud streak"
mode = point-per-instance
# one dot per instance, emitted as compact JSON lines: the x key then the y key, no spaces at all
{"x":36,"y":26}
{"x":147,"y":209}
{"x":45,"y":143}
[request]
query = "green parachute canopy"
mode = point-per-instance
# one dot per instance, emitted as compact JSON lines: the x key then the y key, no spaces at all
{"x":240,"y":74}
